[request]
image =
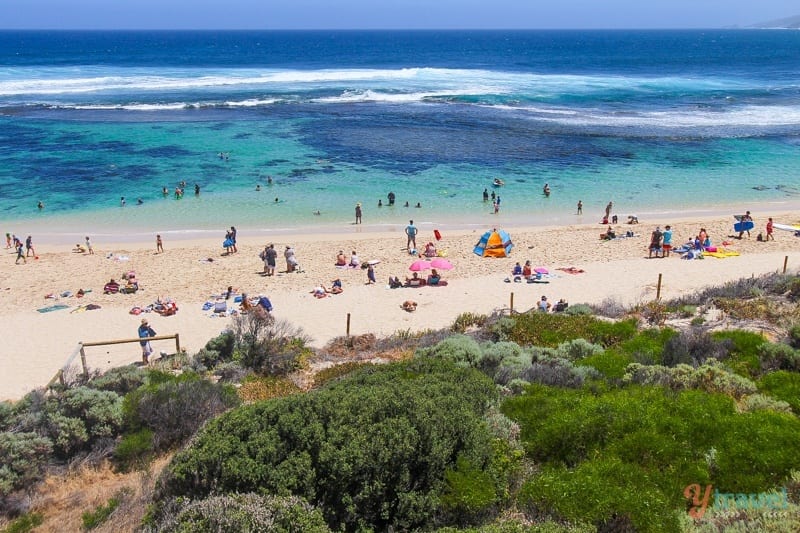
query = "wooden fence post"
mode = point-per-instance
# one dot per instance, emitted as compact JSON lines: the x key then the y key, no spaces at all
{"x":785,"y":262}
{"x":511,"y":305}
{"x":83,"y":363}
{"x":348,"y":324}
{"x":658,"y":288}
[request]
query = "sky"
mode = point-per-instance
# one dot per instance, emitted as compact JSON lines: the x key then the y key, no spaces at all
{"x":389,"y":14}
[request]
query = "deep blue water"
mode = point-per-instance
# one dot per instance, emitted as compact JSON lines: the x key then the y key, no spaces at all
{"x":654,"y":120}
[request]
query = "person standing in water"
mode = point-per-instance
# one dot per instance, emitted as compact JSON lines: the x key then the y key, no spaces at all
{"x":580,"y":207}
{"x":358,"y":213}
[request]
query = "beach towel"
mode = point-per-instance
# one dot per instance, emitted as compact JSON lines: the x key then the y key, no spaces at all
{"x":54,"y":307}
{"x":723,"y":253}
{"x":572,"y":270}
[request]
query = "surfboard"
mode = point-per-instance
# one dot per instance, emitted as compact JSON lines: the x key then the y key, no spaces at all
{"x":744,"y":226}
{"x":786,"y":227}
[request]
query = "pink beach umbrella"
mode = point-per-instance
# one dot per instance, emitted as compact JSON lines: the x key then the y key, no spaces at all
{"x":441,"y":263}
{"x":419,"y":264}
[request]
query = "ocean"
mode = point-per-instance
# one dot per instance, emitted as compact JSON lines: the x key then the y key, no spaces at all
{"x":659,"y":122}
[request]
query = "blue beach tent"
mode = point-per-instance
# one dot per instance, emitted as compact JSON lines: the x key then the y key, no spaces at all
{"x":494,"y":243}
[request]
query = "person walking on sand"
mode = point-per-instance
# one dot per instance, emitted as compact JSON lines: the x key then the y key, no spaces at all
{"x":358,"y":213}
{"x":770,"y":230}
{"x":411,"y":232}
{"x":89,"y":246}
{"x":159,"y":245}
{"x":8,"y":240}
{"x":743,"y":220}
{"x":29,"y":247}
{"x":608,"y":209}
{"x":233,"y":239}
{"x":580,"y":207}
{"x":272,"y":257}
{"x":370,"y":275}
{"x":145,"y":332}
{"x":20,"y":253}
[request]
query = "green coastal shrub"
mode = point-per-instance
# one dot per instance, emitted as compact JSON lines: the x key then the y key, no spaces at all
{"x":580,"y":309}
{"x":609,"y":363}
{"x":74,"y":419}
{"x":607,"y":492}
{"x":134,"y":450}
{"x":551,"y":329}
{"x":25,"y":523}
{"x":370,"y":450}
{"x":461,"y":350}
{"x":711,"y":377}
{"x":121,"y":380}
{"x":269,"y":346}
{"x":173,"y":408}
{"x":778,"y":356}
{"x":559,"y":373}
{"x":511,"y":526}
{"x":693,"y":347}
{"x":25,"y":456}
{"x":784,"y":386}
{"x":217,"y":350}
{"x":647,"y":346}
{"x":744,"y":350}
{"x":238,"y":512}
{"x":660,"y":440}
{"x":93,"y":519}
{"x":761,"y":402}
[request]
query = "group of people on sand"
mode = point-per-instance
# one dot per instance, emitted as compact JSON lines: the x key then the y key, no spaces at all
{"x":524,"y":272}
{"x":434,"y":279}
{"x":661,"y":241}
{"x":23,"y":251}
{"x":230,"y":241}
{"x":544,"y":305}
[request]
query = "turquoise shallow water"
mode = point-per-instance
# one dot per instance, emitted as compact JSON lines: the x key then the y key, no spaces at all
{"x":661,"y":123}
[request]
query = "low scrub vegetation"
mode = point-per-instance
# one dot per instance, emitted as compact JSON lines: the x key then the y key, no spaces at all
{"x":535,"y":422}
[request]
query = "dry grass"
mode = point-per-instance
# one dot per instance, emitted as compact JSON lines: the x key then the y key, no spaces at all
{"x":63,"y":499}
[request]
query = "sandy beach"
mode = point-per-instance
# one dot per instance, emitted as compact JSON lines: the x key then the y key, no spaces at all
{"x":37,"y":344}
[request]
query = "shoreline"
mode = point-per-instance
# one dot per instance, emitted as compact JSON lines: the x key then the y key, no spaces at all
{"x":424,"y":219}
{"x":618,"y":270}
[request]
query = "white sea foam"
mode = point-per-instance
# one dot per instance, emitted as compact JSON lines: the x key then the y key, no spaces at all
{"x":54,"y":81}
{"x":750,"y":116}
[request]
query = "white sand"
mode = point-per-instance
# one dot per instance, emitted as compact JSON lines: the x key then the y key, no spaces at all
{"x":37,"y":344}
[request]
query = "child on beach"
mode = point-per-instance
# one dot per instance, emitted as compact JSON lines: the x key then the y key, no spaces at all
{"x":159,"y":245}
{"x":20,"y":253}
{"x":89,"y":246}
{"x":370,"y":275}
